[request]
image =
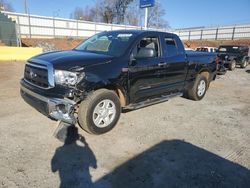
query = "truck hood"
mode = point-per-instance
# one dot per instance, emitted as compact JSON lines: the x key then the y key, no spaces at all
{"x":229,"y":55}
{"x":68,"y":60}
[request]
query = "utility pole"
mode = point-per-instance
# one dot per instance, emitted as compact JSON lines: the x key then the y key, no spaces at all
{"x":25,"y":7}
{"x":2,"y":6}
{"x":146,"y":4}
{"x":157,"y":13}
{"x":146,"y":18}
{"x":55,"y":13}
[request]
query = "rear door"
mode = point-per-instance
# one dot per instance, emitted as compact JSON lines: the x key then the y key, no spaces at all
{"x":176,"y":62}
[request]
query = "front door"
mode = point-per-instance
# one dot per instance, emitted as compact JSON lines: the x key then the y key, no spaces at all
{"x":146,"y":75}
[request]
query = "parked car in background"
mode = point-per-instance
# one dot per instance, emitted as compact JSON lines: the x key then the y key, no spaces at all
{"x":206,"y":49}
{"x":233,"y":55}
{"x":112,"y":70}
{"x":189,"y":50}
{"x":221,"y":69}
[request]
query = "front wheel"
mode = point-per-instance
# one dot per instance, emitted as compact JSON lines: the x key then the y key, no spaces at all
{"x":232,"y":65}
{"x":198,"y":91}
{"x":99,"y":112}
{"x":244,"y":65}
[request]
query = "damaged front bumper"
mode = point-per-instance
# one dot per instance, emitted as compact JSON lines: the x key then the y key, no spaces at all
{"x":55,"y":108}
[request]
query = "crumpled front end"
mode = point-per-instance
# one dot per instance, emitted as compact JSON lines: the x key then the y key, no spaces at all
{"x":55,"y":108}
{"x":38,"y":89}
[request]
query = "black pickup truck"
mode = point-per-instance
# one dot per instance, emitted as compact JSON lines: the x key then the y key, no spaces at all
{"x":232,"y":55}
{"x":111,"y":71}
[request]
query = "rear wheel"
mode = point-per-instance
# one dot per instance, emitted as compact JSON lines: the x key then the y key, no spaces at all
{"x":99,"y":112}
{"x":198,"y":91}
{"x":244,"y":65}
{"x":232,"y":65}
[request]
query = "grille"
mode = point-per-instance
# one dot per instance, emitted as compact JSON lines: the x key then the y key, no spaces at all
{"x":36,"y":75}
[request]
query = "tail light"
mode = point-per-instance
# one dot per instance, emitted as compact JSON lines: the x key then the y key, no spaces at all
{"x":217,"y":60}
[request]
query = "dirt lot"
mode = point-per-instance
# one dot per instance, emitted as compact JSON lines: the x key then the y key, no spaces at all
{"x":180,"y":143}
{"x":215,"y":43}
{"x":60,"y":44}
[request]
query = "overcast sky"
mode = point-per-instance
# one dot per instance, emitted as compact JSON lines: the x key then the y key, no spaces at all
{"x":179,"y":13}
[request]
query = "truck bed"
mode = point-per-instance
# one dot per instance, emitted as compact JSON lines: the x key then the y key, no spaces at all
{"x":202,"y":57}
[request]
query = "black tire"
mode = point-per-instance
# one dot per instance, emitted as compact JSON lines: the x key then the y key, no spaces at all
{"x":244,"y":64}
{"x":87,"y":107}
{"x":232,"y":65}
{"x":193,"y":92}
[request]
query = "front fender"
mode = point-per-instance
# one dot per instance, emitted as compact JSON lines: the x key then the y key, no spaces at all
{"x":246,"y":58}
{"x":92,"y":82}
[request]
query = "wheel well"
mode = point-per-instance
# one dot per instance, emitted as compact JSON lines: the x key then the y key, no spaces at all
{"x":246,"y":59}
{"x":120,"y":93}
{"x":206,"y":74}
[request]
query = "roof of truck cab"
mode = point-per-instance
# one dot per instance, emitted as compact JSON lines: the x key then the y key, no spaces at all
{"x":134,"y":31}
{"x":206,"y":47}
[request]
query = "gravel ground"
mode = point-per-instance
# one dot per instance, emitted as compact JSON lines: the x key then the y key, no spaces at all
{"x":180,"y":143}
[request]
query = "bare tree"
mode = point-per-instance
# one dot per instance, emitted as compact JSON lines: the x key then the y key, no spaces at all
{"x":6,"y":6}
{"x":133,"y":14}
{"x":156,"y":16}
{"x":121,"y":12}
{"x":108,"y":15}
{"x":113,"y":11}
{"x":87,"y":14}
{"x":102,"y":11}
{"x":106,"y":12}
{"x":120,"y":9}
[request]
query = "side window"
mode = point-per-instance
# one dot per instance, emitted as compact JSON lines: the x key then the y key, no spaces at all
{"x":171,"y":47}
{"x":148,"y":42}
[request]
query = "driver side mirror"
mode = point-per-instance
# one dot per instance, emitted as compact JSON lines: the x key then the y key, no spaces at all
{"x":145,"y":53}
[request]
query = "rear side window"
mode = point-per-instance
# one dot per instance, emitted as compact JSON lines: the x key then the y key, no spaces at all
{"x":171,"y":47}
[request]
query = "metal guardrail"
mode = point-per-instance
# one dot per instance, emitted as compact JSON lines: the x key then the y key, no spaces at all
{"x":216,"y":33}
{"x":33,"y":26}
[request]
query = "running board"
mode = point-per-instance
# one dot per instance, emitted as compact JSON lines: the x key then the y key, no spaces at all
{"x":149,"y":102}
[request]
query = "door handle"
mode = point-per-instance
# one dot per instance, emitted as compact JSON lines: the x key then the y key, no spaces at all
{"x":162,"y":64}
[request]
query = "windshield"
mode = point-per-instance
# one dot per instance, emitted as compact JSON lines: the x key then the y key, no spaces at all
{"x":109,"y":43}
{"x":229,"y":49}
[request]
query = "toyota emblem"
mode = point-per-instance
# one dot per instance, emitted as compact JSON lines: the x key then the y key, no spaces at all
{"x":32,"y":74}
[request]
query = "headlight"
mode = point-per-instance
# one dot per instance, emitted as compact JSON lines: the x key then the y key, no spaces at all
{"x":67,"y":77}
